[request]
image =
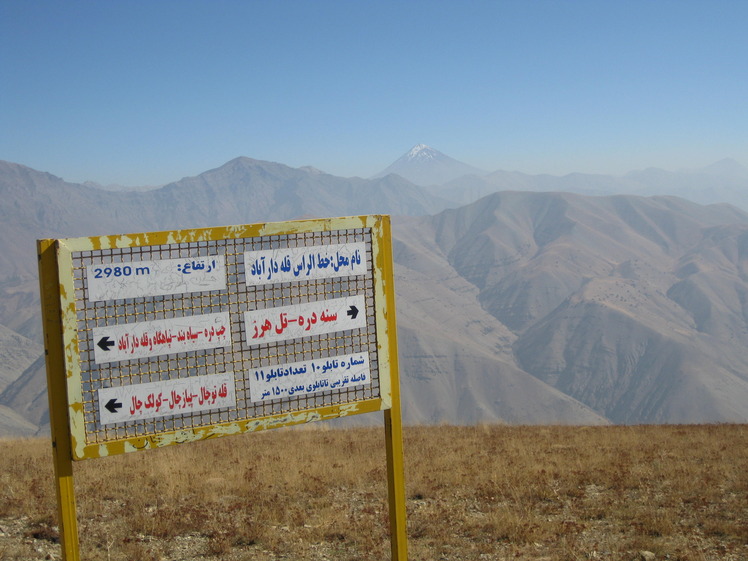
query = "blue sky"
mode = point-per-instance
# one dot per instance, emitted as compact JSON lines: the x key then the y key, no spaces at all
{"x":145,"y":92}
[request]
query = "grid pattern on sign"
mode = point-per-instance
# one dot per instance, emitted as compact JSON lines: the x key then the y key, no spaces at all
{"x":242,"y":356}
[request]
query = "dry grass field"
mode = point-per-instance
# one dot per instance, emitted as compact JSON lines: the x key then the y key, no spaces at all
{"x":474,"y":493}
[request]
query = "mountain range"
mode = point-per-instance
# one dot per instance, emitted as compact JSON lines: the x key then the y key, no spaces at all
{"x":533,"y":304}
{"x":725,"y":181}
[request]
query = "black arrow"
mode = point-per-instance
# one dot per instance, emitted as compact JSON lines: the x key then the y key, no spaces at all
{"x":105,"y":343}
{"x":353,"y":312}
{"x":112,"y":405}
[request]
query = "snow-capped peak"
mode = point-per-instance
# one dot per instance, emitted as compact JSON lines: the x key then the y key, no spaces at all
{"x":424,"y":165}
{"x":421,"y":152}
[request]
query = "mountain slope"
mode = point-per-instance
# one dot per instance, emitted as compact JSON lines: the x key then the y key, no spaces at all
{"x":256,"y":191}
{"x":725,"y":181}
{"x":457,"y":360}
{"x":37,"y":205}
{"x":523,"y":307}
{"x":424,"y":165}
{"x":634,"y":307}
{"x":27,"y":395}
{"x":16,"y":354}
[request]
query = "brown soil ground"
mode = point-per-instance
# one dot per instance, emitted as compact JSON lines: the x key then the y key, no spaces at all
{"x":473,"y":493}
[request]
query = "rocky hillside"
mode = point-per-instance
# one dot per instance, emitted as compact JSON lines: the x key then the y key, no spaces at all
{"x":635,"y":307}
{"x":523,"y":307}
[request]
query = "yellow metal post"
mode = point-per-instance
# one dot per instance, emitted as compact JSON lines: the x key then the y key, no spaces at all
{"x":393,"y":418}
{"x":57,"y":393}
{"x":396,"y":485}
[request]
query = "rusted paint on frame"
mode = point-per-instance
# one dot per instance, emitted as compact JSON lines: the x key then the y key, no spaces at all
{"x":227,"y":429}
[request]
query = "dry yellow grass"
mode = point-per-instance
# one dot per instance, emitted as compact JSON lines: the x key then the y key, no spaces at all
{"x":474,"y":493}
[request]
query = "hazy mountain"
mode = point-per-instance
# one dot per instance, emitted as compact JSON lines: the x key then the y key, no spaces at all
{"x":37,"y":205}
{"x":636,"y":307}
{"x":727,"y":168}
{"x":16,"y":354}
{"x":253,"y":190}
{"x":118,"y":187}
{"x":424,"y":165}
{"x":13,"y":424}
{"x":456,"y":359}
{"x":19,"y":307}
{"x":523,"y":307}
{"x":27,"y":399}
{"x":725,"y":181}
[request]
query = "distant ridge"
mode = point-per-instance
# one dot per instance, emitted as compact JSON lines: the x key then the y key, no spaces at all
{"x":727,"y":167}
{"x":725,"y":181}
{"x":521,"y":307}
{"x":424,"y":165}
{"x":629,"y":307}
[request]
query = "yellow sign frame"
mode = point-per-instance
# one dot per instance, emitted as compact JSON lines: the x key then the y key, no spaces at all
{"x":60,"y":318}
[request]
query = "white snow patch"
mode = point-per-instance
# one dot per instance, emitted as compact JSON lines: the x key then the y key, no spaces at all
{"x":421,"y":152}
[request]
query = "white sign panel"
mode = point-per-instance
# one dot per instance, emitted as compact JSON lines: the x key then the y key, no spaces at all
{"x":305,"y":263}
{"x":168,"y":397}
{"x":309,"y":376}
{"x":304,"y":320}
{"x":138,"y":279}
{"x":161,"y":337}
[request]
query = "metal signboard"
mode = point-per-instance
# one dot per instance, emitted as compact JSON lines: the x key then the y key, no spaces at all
{"x":163,"y":338}
{"x":292,"y":322}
